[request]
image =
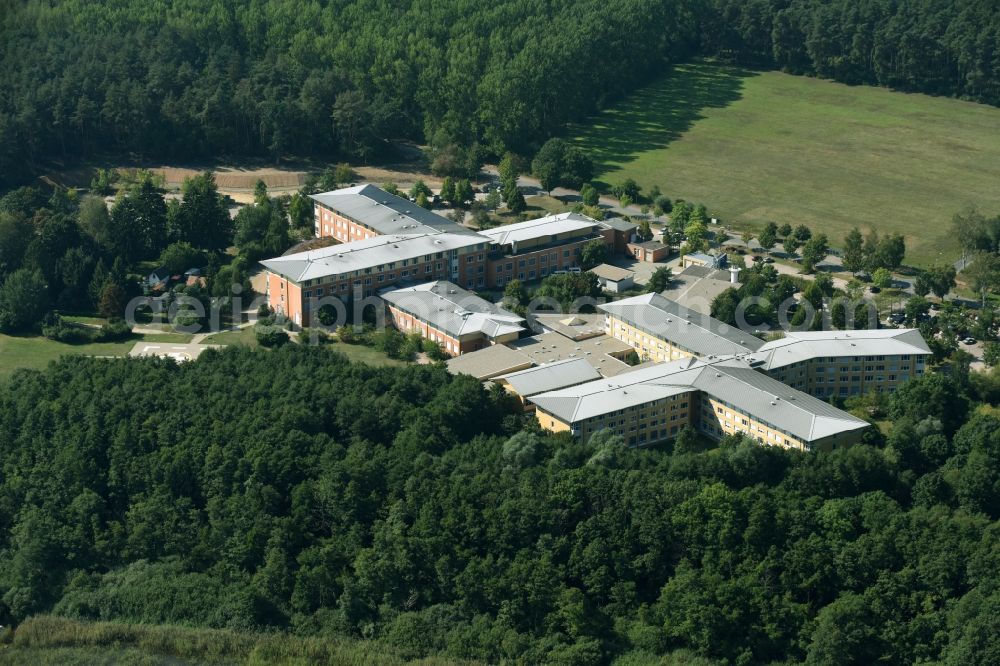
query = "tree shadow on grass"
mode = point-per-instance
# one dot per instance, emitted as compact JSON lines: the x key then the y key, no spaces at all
{"x":653,"y":117}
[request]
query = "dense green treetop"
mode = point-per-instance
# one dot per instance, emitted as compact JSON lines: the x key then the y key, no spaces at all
{"x":293,"y":489}
{"x":184,"y":80}
{"x":337,"y":79}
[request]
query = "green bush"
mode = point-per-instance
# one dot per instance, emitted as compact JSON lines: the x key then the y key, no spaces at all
{"x":115,"y":330}
{"x":54,"y":327}
{"x":270,"y":336}
{"x":314,"y":336}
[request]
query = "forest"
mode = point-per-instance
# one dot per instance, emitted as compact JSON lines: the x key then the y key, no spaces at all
{"x":189,"y":79}
{"x":297,"y":491}
{"x":940,"y":47}
{"x":71,"y":254}
{"x":344,"y":79}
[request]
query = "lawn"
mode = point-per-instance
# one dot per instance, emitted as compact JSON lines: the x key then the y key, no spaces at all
{"x":537,"y":206}
{"x":550,"y":205}
{"x":359,"y":353}
{"x":243,"y":336}
{"x":762,"y":146}
{"x":36,"y":352}
{"x":363,"y":354}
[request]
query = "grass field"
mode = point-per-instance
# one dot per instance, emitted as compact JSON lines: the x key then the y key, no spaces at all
{"x":55,"y":640}
{"x":359,"y":353}
{"x":762,"y":146}
{"x":243,"y":336}
{"x":36,"y":352}
{"x":363,"y":354}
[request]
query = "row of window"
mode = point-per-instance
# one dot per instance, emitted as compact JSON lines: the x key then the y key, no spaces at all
{"x":640,"y":439}
{"x":501,"y":280}
{"x":735,"y":414}
{"x":717,"y":430}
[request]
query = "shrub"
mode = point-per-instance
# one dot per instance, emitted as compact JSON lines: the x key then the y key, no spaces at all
{"x":115,"y":330}
{"x":347,"y":335}
{"x":314,"y":336}
{"x":55,"y":328}
{"x":269,"y":335}
{"x":389,"y":341}
{"x":434,"y":350}
{"x":411,"y":346}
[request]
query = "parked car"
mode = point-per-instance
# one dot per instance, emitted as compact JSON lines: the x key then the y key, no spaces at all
{"x":969,"y":341}
{"x":935,"y":306}
{"x":874,"y":289}
{"x":768,"y":260}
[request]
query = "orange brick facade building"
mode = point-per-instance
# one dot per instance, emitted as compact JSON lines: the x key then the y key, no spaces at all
{"x":385,"y":240}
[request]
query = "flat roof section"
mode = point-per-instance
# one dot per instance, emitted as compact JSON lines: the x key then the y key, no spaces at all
{"x":542,"y":349}
{"x":696,"y":287}
{"x":489,"y":362}
{"x":572,"y":326}
{"x":598,"y":350}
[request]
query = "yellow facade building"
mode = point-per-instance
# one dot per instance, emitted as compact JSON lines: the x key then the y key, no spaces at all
{"x":718,"y":397}
{"x":662,"y":330}
{"x":845,"y":363}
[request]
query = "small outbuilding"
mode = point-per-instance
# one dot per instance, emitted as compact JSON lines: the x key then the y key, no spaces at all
{"x":613,"y":278}
{"x":650,"y":251}
{"x":705,"y":260}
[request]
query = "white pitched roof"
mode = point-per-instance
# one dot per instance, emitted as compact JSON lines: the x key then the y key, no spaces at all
{"x":693,"y":331}
{"x":628,"y":389}
{"x":730,"y":380}
{"x":549,"y":225}
{"x":386,"y":213}
{"x":806,"y":345}
{"x":358,"y":255}
{"x":451,"y":309}
{"x":551,"y":376}
{"x":766,"y":399}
